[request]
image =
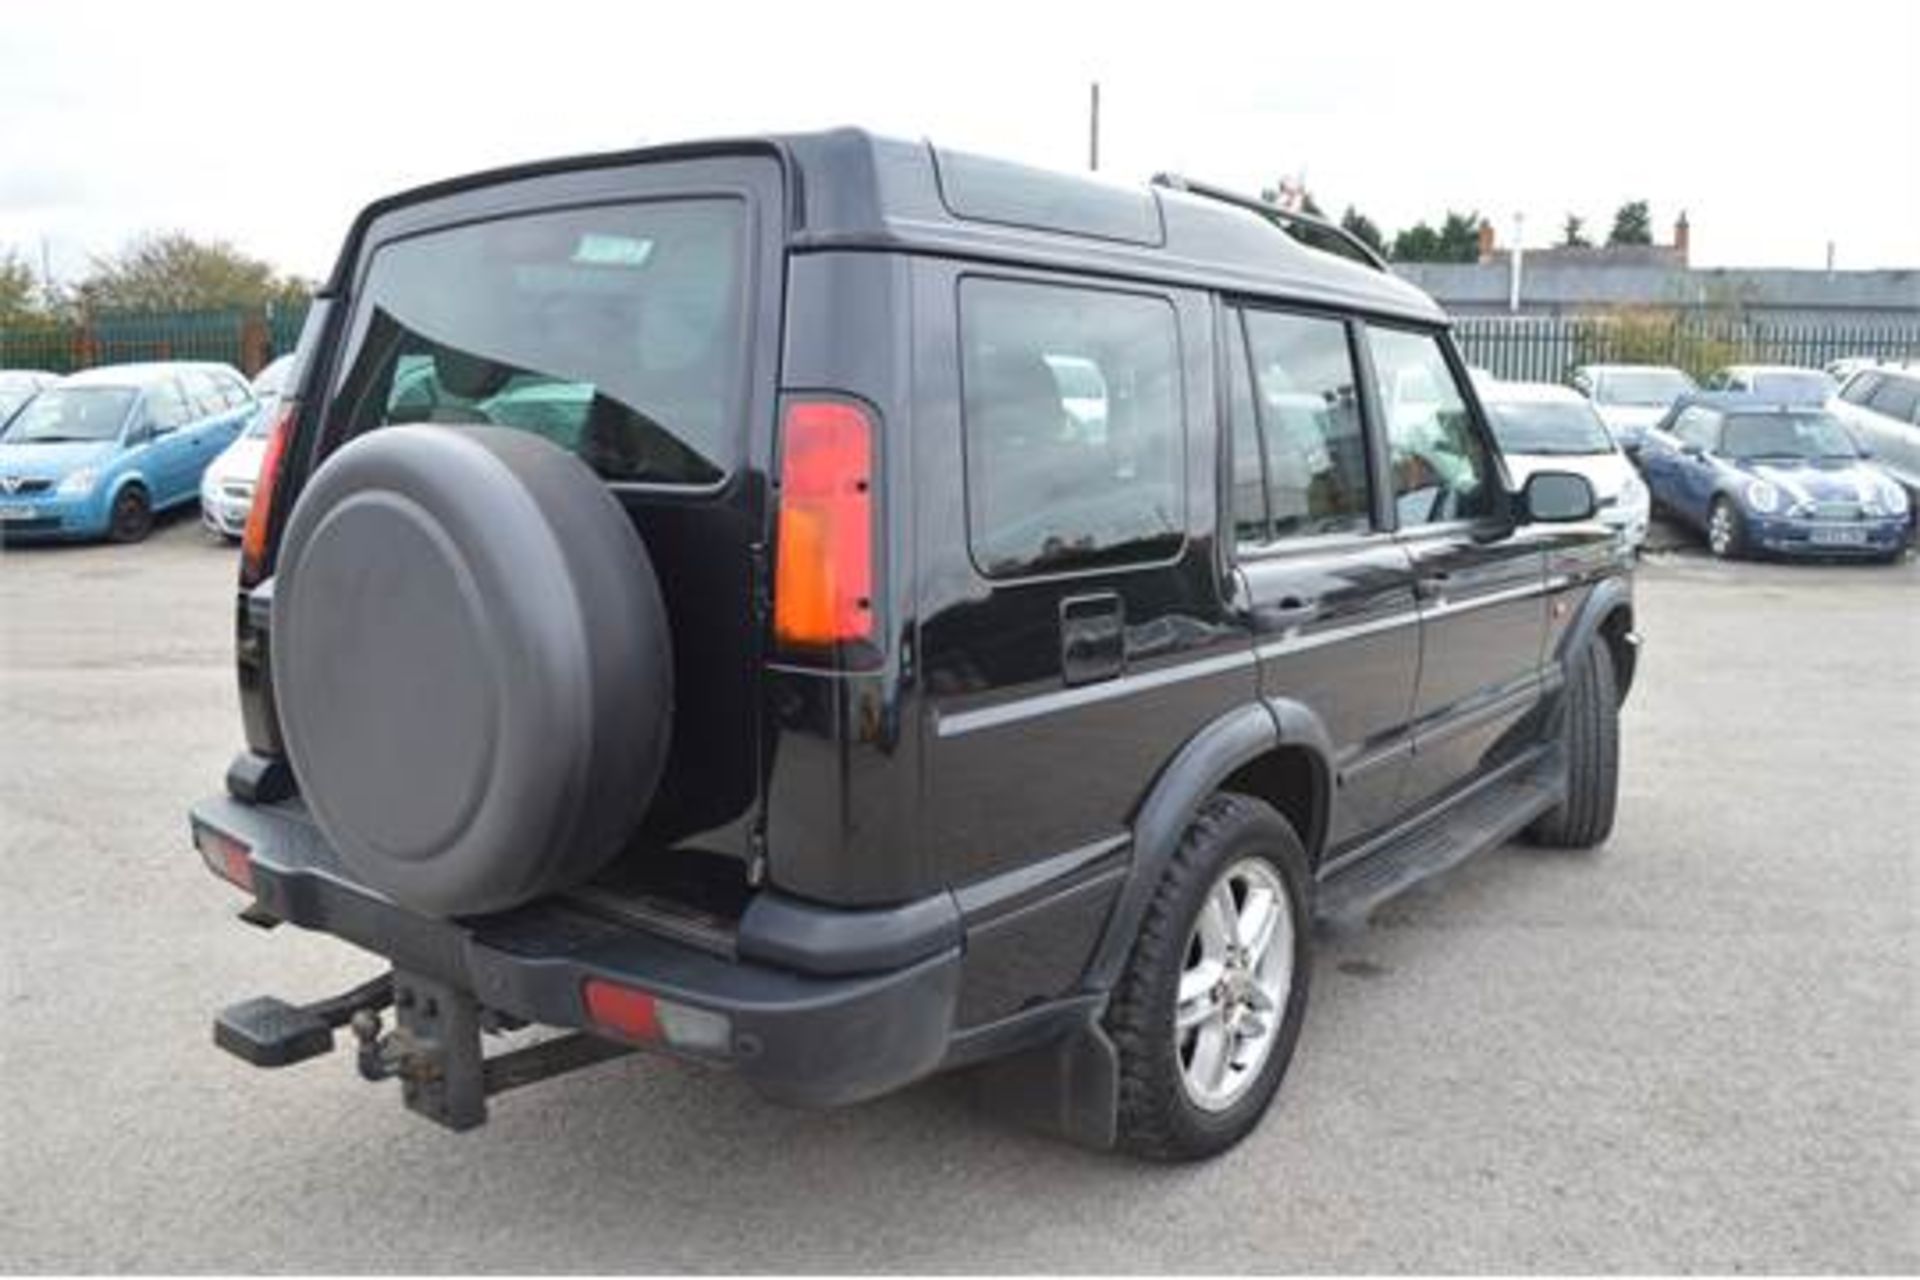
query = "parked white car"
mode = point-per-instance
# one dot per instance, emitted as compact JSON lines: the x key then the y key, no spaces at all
{"x":226,"y":486}
{"x":1881,"y":406}
{"x":17,"y":386}
{"x":1542,"y":427}
{"x":1778,"y":383}
{"x":1631,"y":398}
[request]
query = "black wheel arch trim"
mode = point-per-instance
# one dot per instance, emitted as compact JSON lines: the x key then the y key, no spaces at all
{"x":1608,"y":597}
{"x":1209,"y":757}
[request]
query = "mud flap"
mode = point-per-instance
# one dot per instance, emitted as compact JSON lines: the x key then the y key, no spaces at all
{"x":1068,"y":1088}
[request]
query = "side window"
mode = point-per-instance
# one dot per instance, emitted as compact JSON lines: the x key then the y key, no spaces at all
{"x":1309,"y":410}
{"x":205,"y":396}
{"x":1896,"y":398}
{"x":1860,"y":388}
{"x":166,"y":407}
{"x":1697,"y":426}
{"x":235,"y":391}
{"x":1251,"y":520}
{"x":1075,"y":468}
{"x":1441,"y":470}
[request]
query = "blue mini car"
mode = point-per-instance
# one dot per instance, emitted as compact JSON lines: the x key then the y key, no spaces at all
{"x":98,"y":453}
{"x":1760,"y":477}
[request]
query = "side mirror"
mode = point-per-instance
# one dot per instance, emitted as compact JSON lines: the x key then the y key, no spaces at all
{"x":1693,"y":450}
{"x":1555,"y":497}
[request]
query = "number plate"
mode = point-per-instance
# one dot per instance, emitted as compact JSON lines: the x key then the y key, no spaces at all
{"x":17,"y":513}
{"x":1838,"y":537}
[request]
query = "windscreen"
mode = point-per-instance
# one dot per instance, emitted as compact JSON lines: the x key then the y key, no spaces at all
{"x":62,"y":415}
{"x":1753,"y":436}
{"x":1643,"y":387}
{"x":1808,"y":386}
{"x":1549,"y":428}
{"x":614,"y":331}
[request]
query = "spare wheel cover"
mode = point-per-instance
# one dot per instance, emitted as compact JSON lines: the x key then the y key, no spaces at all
{"x":471,"y":665}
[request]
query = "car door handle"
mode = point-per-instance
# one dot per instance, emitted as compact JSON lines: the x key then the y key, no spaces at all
{"x":1287,"y":611}
{"x":1092,"y":638}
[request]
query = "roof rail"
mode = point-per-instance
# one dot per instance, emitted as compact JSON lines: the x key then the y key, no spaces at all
{"x":1348,"y":244}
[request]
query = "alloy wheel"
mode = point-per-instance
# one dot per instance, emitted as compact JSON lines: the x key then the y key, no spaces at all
{"x":1234,"y":987}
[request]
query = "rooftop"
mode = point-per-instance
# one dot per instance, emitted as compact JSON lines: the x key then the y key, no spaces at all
{"x":847,"y":188}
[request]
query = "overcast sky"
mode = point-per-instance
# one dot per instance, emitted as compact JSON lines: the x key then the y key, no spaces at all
{"x":1776,"y":128}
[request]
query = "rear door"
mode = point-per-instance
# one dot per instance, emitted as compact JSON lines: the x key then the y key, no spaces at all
{"x":1331,"y":590}
{"x":629,"y":314}
{"x":1073,"y":627}
{"x":1480,"y":579}
{"x":216,"y":416}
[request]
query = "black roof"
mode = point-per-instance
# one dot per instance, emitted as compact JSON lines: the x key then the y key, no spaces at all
{"x":848,"y":188}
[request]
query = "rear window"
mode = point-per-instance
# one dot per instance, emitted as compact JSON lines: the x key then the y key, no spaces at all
{"x":616,"y":332}
{"x":1071,"y":399}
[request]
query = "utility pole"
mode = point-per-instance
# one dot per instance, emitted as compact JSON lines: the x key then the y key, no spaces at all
{"x":46,"y":274}
{"x":1514,"y":263}
{"x":1093,"y":130}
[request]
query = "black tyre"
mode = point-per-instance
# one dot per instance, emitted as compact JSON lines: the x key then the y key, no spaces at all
{"x":1726,"y":531}
{"x":131,"y":519}
{"x":1207,"y":1013}
{"x":1590,"y":735}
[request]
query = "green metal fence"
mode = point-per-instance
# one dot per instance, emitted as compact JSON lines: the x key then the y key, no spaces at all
{"x":1545,"y":348}
{"x":245,"y":337}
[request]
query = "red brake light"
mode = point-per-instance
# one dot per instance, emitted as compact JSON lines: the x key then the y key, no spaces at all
{"x":625,"y":1012}
{"x":253,"y":543}
{"x":823,"y":567}
{"x":226,"y":857}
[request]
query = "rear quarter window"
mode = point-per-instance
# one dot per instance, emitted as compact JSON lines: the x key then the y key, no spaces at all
{"x":615,"y":331}
{"x":1073,"y":429}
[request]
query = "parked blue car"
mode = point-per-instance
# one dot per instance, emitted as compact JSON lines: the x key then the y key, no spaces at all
{"x":98,"y":453}
{"x":1756,"y":477}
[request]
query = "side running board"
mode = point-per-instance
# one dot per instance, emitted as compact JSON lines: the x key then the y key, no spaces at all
{"x":1489,"y":814}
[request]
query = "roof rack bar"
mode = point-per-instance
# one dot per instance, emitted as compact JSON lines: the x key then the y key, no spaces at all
{"x":1362,"y":251}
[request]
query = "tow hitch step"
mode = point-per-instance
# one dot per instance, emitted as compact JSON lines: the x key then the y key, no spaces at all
{"x":269,"y":1032}
{"x":433,"y":1049}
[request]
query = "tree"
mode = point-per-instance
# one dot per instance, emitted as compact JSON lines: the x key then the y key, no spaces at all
{"x":19,"y":292}
{"x":172,"y":271}
{"x":1574,"y":236}
{"x":1363,"y":228}
{"x":1632,"y":224}
{"x":1457,"y":240}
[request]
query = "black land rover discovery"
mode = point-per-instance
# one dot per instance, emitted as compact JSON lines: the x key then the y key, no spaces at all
{"x":844,"y":609}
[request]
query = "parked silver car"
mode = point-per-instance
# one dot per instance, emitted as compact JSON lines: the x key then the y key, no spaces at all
{"x":1882,"y":408}
{"x":1631,"y":397}
{"x":1777,"y":383}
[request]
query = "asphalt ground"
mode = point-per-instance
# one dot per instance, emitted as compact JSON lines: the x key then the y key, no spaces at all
{"x":1696,"y":1048}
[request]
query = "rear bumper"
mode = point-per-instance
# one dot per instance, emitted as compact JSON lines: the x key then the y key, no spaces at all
{"x":797,"y":1037}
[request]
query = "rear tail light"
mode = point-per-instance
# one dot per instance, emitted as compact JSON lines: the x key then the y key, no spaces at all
{"x":628,"y":1013}
{"x":229,"y":858}
{"x":824,"y":541}
{"x":253,"y":543}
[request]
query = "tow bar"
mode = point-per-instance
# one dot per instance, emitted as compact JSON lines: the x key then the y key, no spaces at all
{"x":434,"y":1050}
